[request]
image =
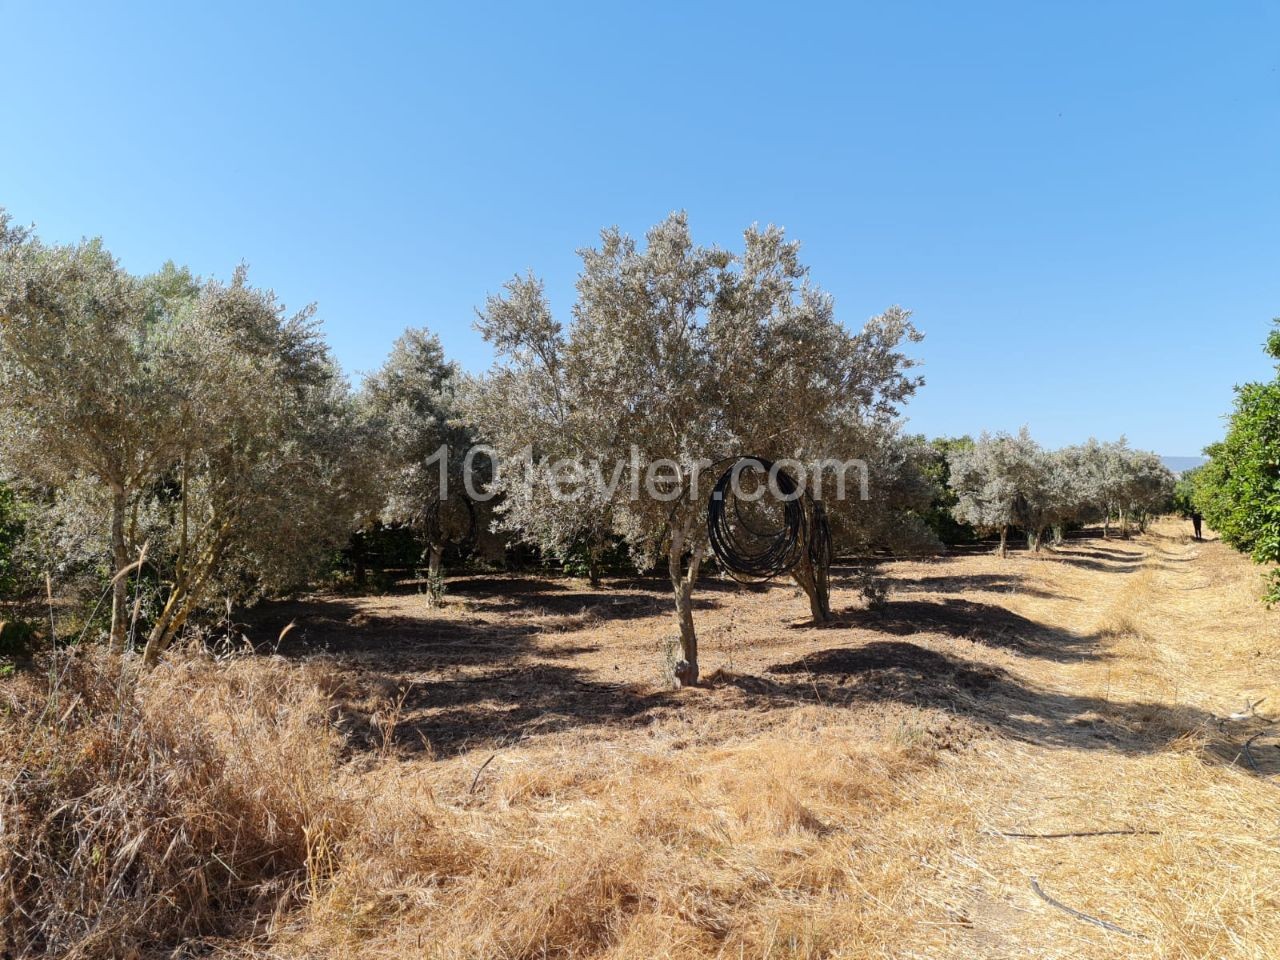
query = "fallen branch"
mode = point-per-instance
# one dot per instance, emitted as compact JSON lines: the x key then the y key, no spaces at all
{"x":476,"y":779}
{"x":1251,"y":710}
{"x":1105,"y":925}
{"x":1077,"y":833}
{"x":487,"y":676}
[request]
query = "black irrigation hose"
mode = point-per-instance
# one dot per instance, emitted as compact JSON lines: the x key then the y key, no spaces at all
{"x":821,"y":550}
{"x":431,"y":521}
{"x":1104,"y":924}
{"x":1248,"y":755}
{"x":751,"y":552}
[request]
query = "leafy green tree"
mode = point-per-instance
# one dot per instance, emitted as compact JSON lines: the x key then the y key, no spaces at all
{"x":1184,"y":492}
{"x":1238,"y":490}
{"x":939,"y":514}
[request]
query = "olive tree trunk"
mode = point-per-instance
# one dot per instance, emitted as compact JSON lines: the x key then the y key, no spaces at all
{"x":119,"y":560}
{"x":189,"y":587}
{"x":815,"y":583}
{"x":359,"y":563}
{"x":435,"y":576}
{"x":1004,"y":542}
{"x":683,"y":579}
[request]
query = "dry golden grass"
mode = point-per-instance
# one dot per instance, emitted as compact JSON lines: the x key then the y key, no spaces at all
{"x":143,"y":812}
{"x":504,"y":779}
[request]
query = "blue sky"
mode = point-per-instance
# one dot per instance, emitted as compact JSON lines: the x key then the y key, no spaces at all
{"x":1079,"y":201}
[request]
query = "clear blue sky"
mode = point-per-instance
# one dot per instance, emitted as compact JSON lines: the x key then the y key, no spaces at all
{"x":1080,"y":201}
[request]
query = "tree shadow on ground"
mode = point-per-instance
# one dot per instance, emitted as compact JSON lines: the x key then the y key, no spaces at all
{"x":1130,"y":563}
{"x":977,"y":583}
{"x":984,"y":623}
{"x":616,"y":600}
{"x":456,"y":684}
{"x":1101,"y":553}
{"x":448,"y":717}
{"x":340,"y":626}
{"x":451,"y":683}
{"x":901,"y":672}
{"x":504,"y":706}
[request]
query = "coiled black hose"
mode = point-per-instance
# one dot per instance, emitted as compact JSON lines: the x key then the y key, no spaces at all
{"x":751,"y":552}
{"x":433,"y":522}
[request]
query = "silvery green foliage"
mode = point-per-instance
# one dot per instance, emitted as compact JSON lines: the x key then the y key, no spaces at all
{"x":412,"y":405}
{"x":268,"y":470}
{"x":541,"y":405}
{"x":1111,"y":469}
{"x":534,"y":412}
{"x":1077,"y":483}
{"x":993,"y":477}
{"x":64,"y":534}
{"x":900,"y":492}
{"x":1115,"y":481}
{"x":199,"y":419}
{"x":79,"y":394}
{"x":1149,"y":486}
{"x":687,"y":353}
{"x":1008,"y":481}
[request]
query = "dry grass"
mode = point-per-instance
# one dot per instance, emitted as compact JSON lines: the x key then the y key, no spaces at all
{"x":136,"y":813}
{"x":835,"y":793}
{"x":569,"y":853}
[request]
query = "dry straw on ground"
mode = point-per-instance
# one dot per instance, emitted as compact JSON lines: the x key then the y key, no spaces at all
{"x":889,"y":786}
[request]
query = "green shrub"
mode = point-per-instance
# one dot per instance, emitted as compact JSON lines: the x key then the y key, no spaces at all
{"x":1238,"y":490}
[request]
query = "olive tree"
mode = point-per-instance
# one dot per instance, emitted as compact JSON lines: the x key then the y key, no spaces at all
{"x":680,"y":357}
{"x":528,"y":412}
{"x":1069,"y":488}
{"x":994,"y":480}
{"x":1120,"y":482}
{"x":1111,"y":463}
{"x":412,"y":403}
{"x":267,"y":474}
{"x":198,"y":419}
{"x":1149,"y":488}
{"x":796,"y":384}
{"x":80,"y":395}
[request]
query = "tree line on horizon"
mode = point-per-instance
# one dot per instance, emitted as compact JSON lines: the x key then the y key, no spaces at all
{"x":172,"y":445}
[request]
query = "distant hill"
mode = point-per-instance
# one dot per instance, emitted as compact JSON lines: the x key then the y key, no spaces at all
{"x":1181,"y":464}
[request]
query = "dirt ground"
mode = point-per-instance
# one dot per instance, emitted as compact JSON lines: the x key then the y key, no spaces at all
{"x":904,"y":782}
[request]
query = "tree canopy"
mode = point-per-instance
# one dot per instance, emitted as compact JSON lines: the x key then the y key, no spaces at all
{"x":1238,"y":490}
{"x":690,"y":356}
{"x":204,"y":428}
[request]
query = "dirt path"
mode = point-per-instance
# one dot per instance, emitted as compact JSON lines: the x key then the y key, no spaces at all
{"x":1145,"y":748}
